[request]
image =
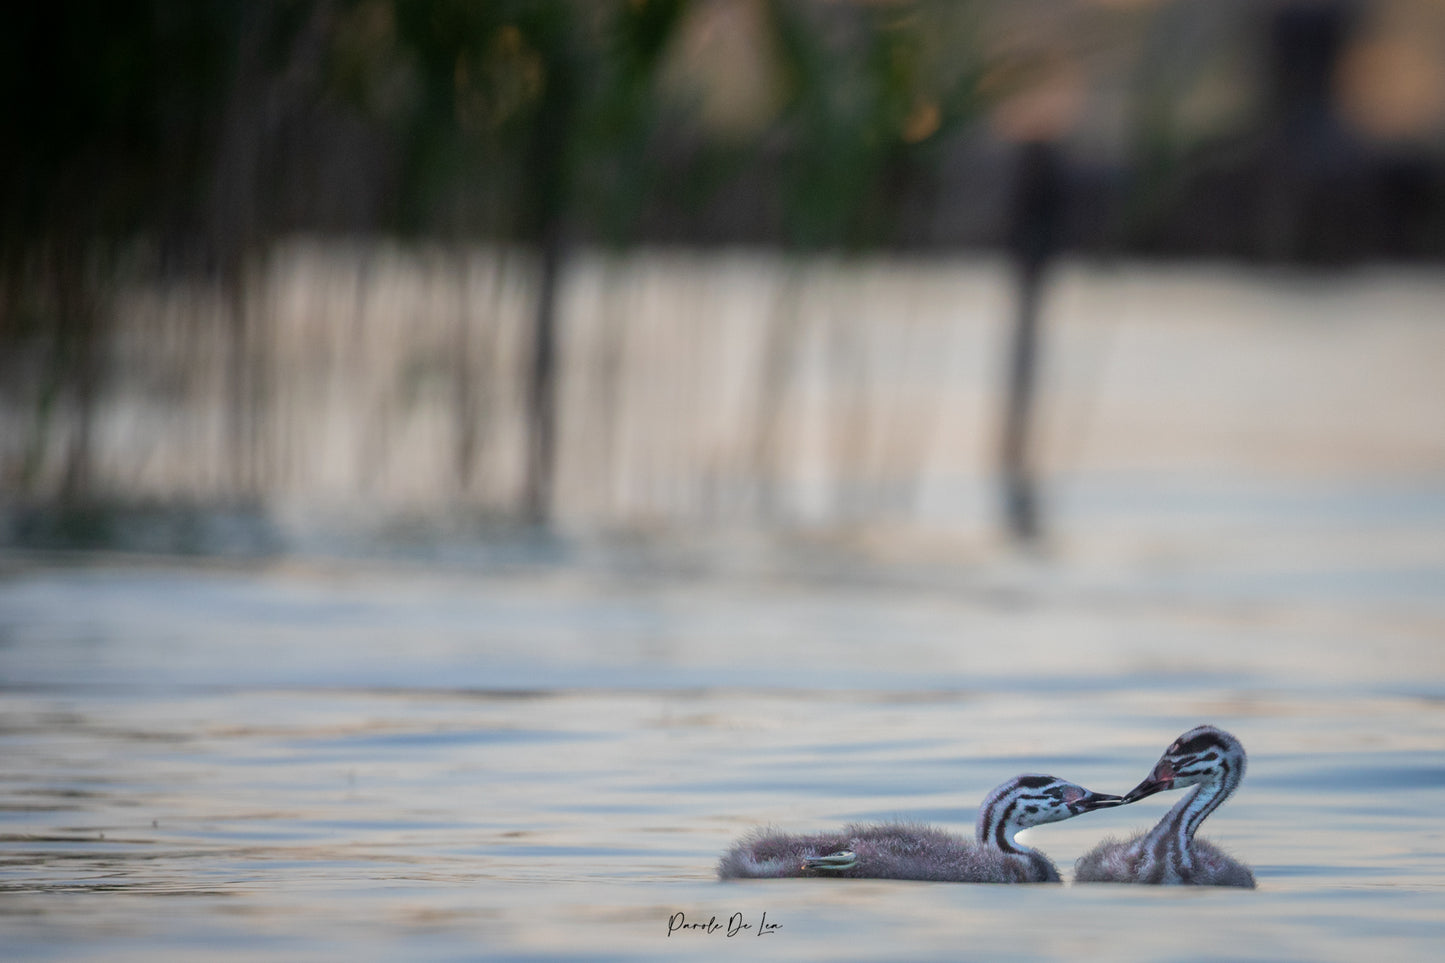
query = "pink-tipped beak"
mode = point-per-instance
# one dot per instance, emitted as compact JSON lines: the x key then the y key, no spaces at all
{"x":1160,"y":779}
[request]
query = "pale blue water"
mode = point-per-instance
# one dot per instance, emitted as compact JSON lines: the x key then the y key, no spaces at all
{"x":539,"y":752}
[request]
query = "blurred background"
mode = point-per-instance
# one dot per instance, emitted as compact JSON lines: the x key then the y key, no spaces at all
{"x":465,"y":462}
{"x":286,"y":271}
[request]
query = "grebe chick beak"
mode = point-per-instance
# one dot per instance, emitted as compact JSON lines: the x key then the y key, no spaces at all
{"x":1160,"y":779}
{"x":1096,"y":800}
{"x":841,"y":860}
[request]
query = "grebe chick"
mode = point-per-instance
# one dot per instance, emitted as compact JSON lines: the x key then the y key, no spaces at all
{"x":1168,"y":854}
{"x":914,"y":851}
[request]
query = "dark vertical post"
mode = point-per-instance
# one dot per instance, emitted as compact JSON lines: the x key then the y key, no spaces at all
{"x":548,"y":182}
{"x":542,"y":391}
{"x":1034,"y":238}
{"x":1317,"y":200}
{"x":234,"y":232}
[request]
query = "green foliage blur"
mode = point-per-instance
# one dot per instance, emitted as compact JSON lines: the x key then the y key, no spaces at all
{"x":208,"y":126}
{"x":181,"y":139}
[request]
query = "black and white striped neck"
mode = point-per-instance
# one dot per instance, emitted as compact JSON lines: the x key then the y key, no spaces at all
{"x":1172,"y":838}
{"x":1023,"y":801}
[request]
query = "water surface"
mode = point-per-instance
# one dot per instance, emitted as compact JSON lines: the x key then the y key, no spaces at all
{"x":385,"y":759}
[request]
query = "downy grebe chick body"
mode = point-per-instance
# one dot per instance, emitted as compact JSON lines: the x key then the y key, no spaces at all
{"x":1211,"y":760}
{"x":913,"y":851}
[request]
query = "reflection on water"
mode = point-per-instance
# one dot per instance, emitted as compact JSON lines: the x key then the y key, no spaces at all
{"x":386,"y":388}
{"x":516,"y":762}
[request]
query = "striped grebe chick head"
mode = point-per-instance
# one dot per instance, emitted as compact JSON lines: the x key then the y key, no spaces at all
{"x":1204,"y":754}
{"x":1032,"y":800}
